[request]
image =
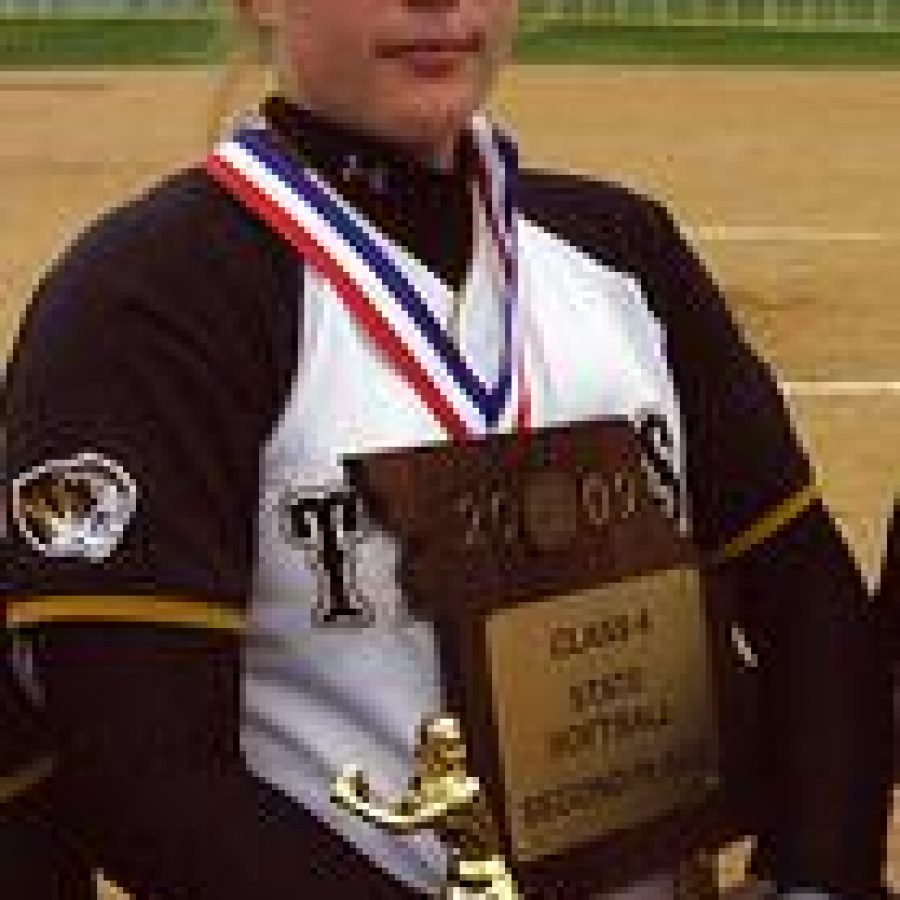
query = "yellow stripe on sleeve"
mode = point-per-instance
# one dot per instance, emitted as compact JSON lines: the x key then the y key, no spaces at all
{"x":770,"y":523}
{"x":135,"y":609}
{"x":13,"y":786}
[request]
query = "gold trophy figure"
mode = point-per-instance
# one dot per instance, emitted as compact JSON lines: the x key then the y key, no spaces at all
{"x":445,"y":799}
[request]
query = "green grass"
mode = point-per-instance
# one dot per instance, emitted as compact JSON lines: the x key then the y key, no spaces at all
{"x":73,"y":42}
{"x":712,"y":45}
{"x":821,"y":14}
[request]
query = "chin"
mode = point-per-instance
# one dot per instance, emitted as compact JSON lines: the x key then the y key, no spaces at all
{"x":434,"y":119}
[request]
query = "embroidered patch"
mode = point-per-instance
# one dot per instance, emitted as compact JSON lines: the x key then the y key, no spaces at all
{"x":74,"y":508}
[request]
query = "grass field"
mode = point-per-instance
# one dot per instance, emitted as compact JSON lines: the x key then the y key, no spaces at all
{"x":785,"y":179}
{"x":712,"y":45}
{"x":794,"y":13}
{"x":62,"y":42}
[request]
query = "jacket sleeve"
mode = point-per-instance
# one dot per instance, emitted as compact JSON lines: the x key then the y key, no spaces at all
{"x":36,"y":860}
{"x":800,"y":601}
{"x":140,"y":391}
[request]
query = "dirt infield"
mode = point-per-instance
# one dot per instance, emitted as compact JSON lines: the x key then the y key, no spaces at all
{"x":786,"y":180}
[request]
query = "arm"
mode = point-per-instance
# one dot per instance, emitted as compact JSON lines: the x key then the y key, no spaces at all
{"x":404,"y":815}
{"x":824,"y":712}
{"x":824,"y":694}
{"x":128,"y":352}
{"x":153,"y":779}
{"x":36,"y":860}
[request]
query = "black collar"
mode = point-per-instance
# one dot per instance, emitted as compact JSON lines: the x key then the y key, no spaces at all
{"x":426,"y":210}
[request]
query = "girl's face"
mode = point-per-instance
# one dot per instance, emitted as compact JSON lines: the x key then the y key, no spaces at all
{"x":412,"y":71}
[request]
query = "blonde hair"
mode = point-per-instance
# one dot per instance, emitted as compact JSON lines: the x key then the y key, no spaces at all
{"x":246,"y":74}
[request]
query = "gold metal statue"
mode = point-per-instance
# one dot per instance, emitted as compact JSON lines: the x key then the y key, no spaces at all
{"x":444,"y":798}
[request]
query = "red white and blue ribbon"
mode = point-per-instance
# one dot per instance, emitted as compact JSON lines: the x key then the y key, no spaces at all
{"x":374,"y":279}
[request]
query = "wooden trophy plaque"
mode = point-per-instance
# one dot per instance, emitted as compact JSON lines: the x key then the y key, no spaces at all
{"x":576,"y":643}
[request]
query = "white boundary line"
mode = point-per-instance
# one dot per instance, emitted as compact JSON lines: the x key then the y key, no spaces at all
{"x":839,"y":388}
{"x":54,"y":85}
{"x":812,"y":235}
{"x":803,"y":234}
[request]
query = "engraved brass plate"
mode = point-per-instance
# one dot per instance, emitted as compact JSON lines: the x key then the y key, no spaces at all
{"x":605,"y":709}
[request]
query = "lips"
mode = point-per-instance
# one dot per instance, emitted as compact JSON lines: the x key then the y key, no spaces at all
{"x":433,"y":56}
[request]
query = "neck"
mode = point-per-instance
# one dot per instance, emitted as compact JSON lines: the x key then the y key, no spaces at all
{"x":438,"y":153}
{"x":442,"y":156}
{"x":439,"y":156}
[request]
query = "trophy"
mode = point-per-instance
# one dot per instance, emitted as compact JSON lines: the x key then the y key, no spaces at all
{"x":584,"y":647}
{"x":442,"y":797}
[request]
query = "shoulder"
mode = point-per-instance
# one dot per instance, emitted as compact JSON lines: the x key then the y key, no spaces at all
{"x":177,"y":287}
{"x":561,"y":195}
{"x":184,"y":229}
{"x":183,"y":257}
{"x":637,"y":236}
{"x":188,"y":205}
{"x":620,"y":226}
{"x":742,"y":456}
{"x":634,"y":234}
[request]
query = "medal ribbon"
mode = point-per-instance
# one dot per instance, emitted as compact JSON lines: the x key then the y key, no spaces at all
{"x":367,"y":271}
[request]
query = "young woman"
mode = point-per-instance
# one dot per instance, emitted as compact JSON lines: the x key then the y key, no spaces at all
{"x":363,"y":267}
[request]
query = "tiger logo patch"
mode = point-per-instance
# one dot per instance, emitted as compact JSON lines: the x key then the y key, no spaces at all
{"x":74,"y":508}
